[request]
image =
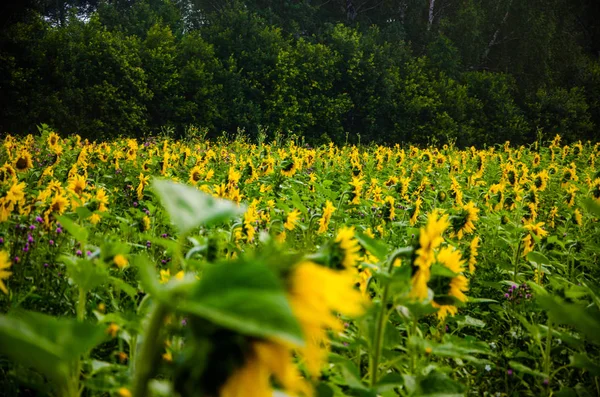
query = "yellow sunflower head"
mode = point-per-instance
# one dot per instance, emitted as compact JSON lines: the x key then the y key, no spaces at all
{"x":23,"y":161}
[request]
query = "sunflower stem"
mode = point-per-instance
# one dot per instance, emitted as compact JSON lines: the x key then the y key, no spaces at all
{"x":516,"y":264}
{"x":547,"y":354}
{"x":380,"y":324}
{"x":147,"y":359}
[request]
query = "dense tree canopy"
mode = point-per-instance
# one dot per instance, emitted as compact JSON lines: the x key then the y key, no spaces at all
{"x":470,"y":71}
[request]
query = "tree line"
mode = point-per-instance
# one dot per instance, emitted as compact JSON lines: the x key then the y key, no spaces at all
{"x":473,"y":72}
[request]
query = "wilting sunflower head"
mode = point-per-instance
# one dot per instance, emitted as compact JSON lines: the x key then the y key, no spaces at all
{"x":23,"y":161}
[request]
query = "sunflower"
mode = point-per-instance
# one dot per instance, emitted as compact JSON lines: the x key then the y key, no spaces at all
{"x":326,"y":217}
{"x":289,"y":167}
{"x":250,"y":219}
{"x":416,"y":209}
{"x":447,"y":293}
{"x":121,"y":261}
{"x":358,"y":184}
{"x":533,"y":229}
{"x":462,"y":223}
{"x":102,"y":199}
{"x":571,"y":193}
{"x":596,"y":190}
{"x":146,"y":223}
{"x":292,"y":219}
{"x":577,"y":217}
{"x":263,"y":360}
{"x":552,"y":216}
{"x":95,"y":218}
{"x":4,"y":273}
{"x":430,"y":238}
{"x":7,"y":173}
{"x":23,"y":161}
{"x":59,"y":204}
{"x":389,"y":209}
{"x":347,"y":247}
{"x":143,"y":183}
{"x":472,"y":253}
{"x":316,"y":294}
{"x":456,"y":192}
{"x":540,"y":180}
{"x":77,"y":185}
{"x":195,"y":175}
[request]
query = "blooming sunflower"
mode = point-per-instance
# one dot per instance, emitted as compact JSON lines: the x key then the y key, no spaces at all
{"x":448,"y":290}
{"x":326,"y":217}
{"x":430,"y":238}
{"x":533,"y":229}
{"x":143,"y":183}
{"x":316,"y":294}
{"x":472,"y":253}
{"x":4,"y":273}
{"x":250,"y":218}
{"x":416,"y":209}
{"x":263,"y":360}
{"x":292,"y":219}
{"x":23,"y":161}
{"x":289,"y":167}
{"x":462,"y":223}
{"x":7,"y":173}
{"x":348,"y":248}
{"x":120,"y":260}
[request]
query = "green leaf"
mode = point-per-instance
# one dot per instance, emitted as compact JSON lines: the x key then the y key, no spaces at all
{"x":190,"y":208}
{"x":573,"y":315}
{"x":123,"y":286}
{"x":389,"y":382}
{"x":79,"y":233}
{"x":469,"y":321}
{"x":537,"y":258}
{"x":517,"y":366}
{"x":86,"y":273}
{"x":439,"y":384}
{"x":46,"y":343}
{"x":591,"y":206}
{"x":374,"y":246}
{"x":582,"y":361}
{"x":247,"y":297}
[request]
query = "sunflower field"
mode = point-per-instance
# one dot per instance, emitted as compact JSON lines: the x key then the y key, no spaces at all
{"x":230,"y":268}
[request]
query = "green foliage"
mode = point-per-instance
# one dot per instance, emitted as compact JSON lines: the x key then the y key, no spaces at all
{"x":473,"y":73}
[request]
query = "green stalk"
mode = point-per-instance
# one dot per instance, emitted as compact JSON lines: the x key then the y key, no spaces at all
{"x":547,"y":354}
{"x":148,"y":357}
{"x":517,"y":261}
{"x":380,"y":326}
{"x":73,"y":387}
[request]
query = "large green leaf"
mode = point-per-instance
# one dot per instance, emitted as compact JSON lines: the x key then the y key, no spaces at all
{"x":86,"y":273}
{"x":190,"y":208}
{"x":46,"y":343}
{"x":573,"y":315}
{"x":245,"y":296}
{"x":592,"y":206}
{"x":79,"y":233}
